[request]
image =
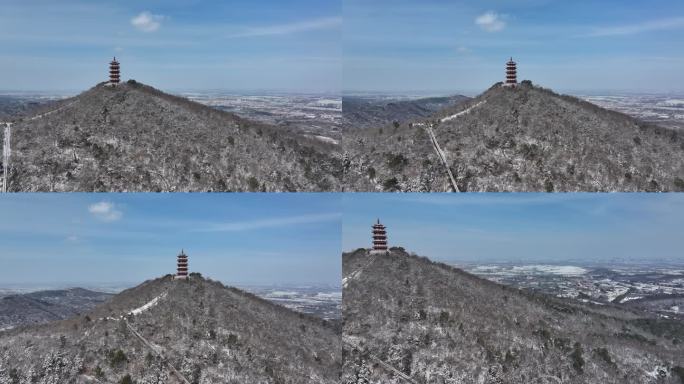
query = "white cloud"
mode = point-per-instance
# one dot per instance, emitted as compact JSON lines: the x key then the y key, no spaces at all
{"x":272,"y":222}
{"x":147,"y":22}
{"x":284,"y":29}
{"x":463,"y":50}
{"x":105,"y":211}
{"x":72,"y":238}
{"x":647,"y":26}
{"x":491,"y":21}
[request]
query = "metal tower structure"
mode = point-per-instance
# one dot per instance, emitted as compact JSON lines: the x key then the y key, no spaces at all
{"x":6,"y":152}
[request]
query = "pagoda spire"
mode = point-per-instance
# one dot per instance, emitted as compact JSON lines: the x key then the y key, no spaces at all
{"x":182,"y":271}
{"x":379,"y":238}
{"x":114,"y":72}
{"x":511,"y":73}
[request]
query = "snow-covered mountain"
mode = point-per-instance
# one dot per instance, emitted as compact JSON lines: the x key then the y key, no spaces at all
{"x":408,"y":319}
{"x":132,"y":137}
{"x":176,"y":331}
{"x":522,"y":138}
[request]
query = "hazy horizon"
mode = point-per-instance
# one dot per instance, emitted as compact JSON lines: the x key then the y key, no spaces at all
{"x":527,"y":228}
{"x":241,"y":44}
{"x":127,"y":238}
{"x":408,"y":44}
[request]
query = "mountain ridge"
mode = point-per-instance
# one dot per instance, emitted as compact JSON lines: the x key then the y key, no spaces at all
{"x":523,"y":138}
{"x":44,"y":306}
{"x":203,"y":330}
{"x":360,"y":112}
{"x":132,"y":137}
{"x":437,"y":323}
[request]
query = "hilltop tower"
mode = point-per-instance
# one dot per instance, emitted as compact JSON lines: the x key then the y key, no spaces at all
{"x":182,"y":273}
{"x":511,"y":73}
{"x":379,"y":238}
{"x":114,"y":72}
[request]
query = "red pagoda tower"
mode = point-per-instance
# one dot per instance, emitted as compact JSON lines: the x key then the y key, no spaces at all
{"x":379,"y":238}
{"x":182,"y":266}
{"x":114,"y":73}
{"x":511,"y":73}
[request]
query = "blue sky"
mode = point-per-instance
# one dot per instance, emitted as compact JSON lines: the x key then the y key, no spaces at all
{"x":289,"y":45}
{"x":457,"y":45}
{"x":503,"y":227}
{"x":235,"y":238}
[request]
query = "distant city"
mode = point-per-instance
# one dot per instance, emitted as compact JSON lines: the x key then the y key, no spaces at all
{"x":657,"y":288}
{"x":666,"y":110}
{"x":318,"y":115}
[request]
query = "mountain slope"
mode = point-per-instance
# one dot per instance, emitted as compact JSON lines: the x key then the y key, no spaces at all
{"x":207,"y":332}
{"x":135,"y":138}
{"x":44,"y":306}
{"x":519,"y":139}
{"x":359,"y":112}
{"x":437,"y":324}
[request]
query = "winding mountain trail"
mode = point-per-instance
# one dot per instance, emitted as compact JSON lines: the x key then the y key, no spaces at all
{"x":442,"y":157}
{"x":48,"y":113}
{"x":465,"y":111}
{"x":382,"y":363}
{"x":156,"y":352}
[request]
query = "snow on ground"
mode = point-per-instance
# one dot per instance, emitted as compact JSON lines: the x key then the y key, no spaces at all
{"x":463,"y":112}
{"x":282,"y":293}
{"x":612,"y":295}
{"x":147,"y":306}
{"x":565,"y":270}
{"x":675,"y":102}
{"x":323,"y":138}
{"x":657,"y":372}
{"x":329,"y":295}
{"x":626,"y":299}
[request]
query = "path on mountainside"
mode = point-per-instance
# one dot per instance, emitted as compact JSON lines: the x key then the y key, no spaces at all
{"x":435,"y":143}
{"x":356,"y":273}
{"x":156,"y":352}
{"x":149,"y":345}
{"x":383,"y":364}
{"x":463,"y":112}
{"x":407,"y":378}
{"x":442,"y":157}
{"x":48,"y":113}
{"x":151,"y":304}
{"x":7,"y":148}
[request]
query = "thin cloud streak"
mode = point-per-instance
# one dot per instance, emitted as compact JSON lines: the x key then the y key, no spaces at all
{"x":286,"y":29}
{"x":632,"y":29}
{"x":271,"y":223}
{"x":505,"y":199}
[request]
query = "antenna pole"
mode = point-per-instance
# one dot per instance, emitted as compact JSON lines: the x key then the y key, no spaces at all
{"x":6,"y":152}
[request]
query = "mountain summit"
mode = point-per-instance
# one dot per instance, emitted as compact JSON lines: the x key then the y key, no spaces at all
{"x":132,"y":137}
{"x":408,"y":319}
{"x":175,"y":331}
{"x":522,"y":138}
